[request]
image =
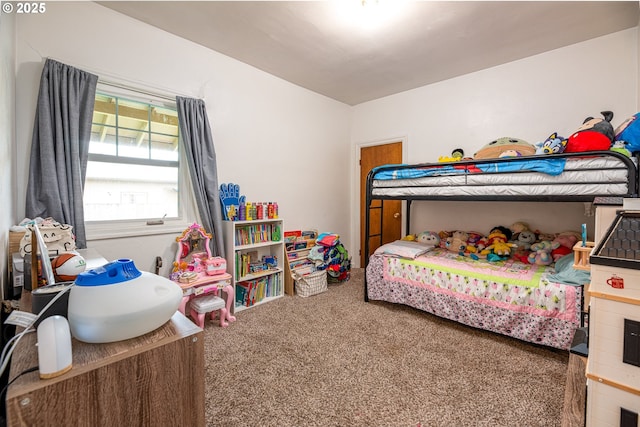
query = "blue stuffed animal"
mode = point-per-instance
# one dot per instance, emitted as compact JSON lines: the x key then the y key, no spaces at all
{"x":554,"y":144}
{"x":629,"y":132}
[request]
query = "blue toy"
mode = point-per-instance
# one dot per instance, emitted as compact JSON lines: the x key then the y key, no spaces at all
{"x":230,"y":199}
{"x":554,"y":144}
{"x":629,"y":132}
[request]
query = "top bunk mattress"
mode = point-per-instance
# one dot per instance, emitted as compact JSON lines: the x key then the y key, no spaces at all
{"x":601,"y":174}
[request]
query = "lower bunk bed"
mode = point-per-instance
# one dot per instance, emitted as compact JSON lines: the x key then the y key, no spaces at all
{"x":508,"y":297}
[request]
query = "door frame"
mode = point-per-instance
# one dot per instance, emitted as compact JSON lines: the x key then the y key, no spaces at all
{"x":355,"y":191}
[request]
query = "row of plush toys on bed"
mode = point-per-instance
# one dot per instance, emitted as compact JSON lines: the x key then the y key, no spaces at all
{"x":595,"y":134}
{"x":517,"y":241}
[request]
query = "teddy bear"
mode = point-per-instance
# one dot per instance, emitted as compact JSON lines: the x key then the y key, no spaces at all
{"x":541,"y":252}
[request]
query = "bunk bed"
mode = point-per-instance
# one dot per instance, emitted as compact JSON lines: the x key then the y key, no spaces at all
{"x":507,"y":297}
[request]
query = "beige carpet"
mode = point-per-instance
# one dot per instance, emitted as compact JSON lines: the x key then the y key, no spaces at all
{"x":334,"y":360}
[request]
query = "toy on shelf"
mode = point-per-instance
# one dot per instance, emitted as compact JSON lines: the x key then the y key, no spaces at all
{"x":236,"y":208}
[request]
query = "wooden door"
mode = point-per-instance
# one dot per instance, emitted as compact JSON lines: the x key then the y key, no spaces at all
{"x":371,"y":157}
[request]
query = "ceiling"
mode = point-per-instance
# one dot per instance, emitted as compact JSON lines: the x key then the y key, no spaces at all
{"x":331,"y":48}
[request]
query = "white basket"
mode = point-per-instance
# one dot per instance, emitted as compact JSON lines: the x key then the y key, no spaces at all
{"x":311,"y":284}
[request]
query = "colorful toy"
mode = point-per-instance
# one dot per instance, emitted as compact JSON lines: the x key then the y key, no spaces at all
{"x":456,"y":155}
{"x":409,"y":238}
{"x":554,"y":144}
{"x":505,"y":147}
{"x":629,"y":132}
{"x":499,"y":243}
{"x":593,"y":135}
{"x":541,"y":252}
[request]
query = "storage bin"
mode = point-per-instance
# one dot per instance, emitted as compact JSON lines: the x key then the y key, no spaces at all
{"x":311,"y":284}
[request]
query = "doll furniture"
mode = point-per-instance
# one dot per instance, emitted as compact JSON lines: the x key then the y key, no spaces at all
{"x":200,"y":306}
{"x":543,"y":312}
{"x":199,"y":275}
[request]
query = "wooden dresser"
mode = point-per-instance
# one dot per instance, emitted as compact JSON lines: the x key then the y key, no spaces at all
{"x":153,"y":380}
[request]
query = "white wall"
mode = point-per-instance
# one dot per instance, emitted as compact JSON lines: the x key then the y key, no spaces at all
{"x":278,"y":141}
{"x":7,"y":126}
{"x":527,"y":99}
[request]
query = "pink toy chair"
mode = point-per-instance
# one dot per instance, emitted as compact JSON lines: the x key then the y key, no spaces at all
{"x":200,"y":306}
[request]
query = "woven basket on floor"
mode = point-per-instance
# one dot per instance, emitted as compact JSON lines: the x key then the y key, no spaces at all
{"x":311,"y":284}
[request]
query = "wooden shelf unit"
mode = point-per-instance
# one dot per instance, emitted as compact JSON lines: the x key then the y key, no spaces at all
{"x":297,"y":251}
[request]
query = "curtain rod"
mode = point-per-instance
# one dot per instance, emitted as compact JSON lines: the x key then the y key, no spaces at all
{"x":130,"y":87}
{"x":137,"y":90}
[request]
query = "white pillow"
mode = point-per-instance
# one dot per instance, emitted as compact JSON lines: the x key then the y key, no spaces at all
{"x":404,"y":249}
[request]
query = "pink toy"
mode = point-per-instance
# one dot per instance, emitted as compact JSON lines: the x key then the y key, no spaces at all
{"x":200,"y":306}
{"x":215,"y":265}
{"x":566,"y":241}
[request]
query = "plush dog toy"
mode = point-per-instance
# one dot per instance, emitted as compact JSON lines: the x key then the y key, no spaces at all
{"x":595,"y":134}
{"x":458,"y":241}
{"x":554,"y":144}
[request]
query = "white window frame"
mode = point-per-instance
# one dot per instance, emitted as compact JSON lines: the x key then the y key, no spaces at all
{"x":187,"y":211}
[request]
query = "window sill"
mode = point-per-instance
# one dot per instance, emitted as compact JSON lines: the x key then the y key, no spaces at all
{"x":115,"y":230}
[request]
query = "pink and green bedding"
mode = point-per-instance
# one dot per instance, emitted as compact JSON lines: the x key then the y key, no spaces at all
{"x":507,"y":297}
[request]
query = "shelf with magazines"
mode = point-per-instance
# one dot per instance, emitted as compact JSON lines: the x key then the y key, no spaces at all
{"x":298,"y":244}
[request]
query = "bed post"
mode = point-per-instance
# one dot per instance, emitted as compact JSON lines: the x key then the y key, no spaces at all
{"x":367,"y":225}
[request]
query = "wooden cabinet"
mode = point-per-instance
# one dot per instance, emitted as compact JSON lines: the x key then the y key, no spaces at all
{"x":153,"y":380}
{"x":255,"y":260}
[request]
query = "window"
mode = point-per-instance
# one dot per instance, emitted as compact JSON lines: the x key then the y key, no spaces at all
{"x":133,"y":165}
{"x":133,"y":170}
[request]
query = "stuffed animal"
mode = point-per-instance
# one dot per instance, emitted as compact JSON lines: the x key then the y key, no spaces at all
{"x":541,"y":252}
{"x":473,"y":242}
{"x":444,"y":236}
{"x":629,"y":132}
{"x":498,"y":243}
{"x":554,"y":144}
{"x":620,"y":147}
{"x":565,"y":241}
{"x":456,"y":155}
{"x":505,"y":147}
{"x":458,"y":241}
{"x":428,"y":238}
{"x":409,"y":238}
{"x":595,"y":134}
{"x":518,"y":226}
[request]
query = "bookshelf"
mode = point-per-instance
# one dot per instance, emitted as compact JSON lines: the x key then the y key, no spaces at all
{"x":255,"y":260}
{"x":298,"y":244}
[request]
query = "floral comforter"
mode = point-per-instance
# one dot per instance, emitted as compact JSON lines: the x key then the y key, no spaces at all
{"x":507,"y":297}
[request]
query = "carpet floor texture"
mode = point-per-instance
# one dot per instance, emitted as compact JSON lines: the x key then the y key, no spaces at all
{"x":333,"y":360}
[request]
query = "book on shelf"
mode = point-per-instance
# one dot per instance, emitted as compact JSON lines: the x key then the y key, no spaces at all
{"x":292,"y":235}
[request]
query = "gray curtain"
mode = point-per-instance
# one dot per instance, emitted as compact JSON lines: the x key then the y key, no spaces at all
{"x":197,"y":141}
{"x":60,"y":146}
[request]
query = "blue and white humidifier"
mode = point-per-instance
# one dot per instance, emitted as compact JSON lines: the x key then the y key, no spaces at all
{"x":117,"y":301}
